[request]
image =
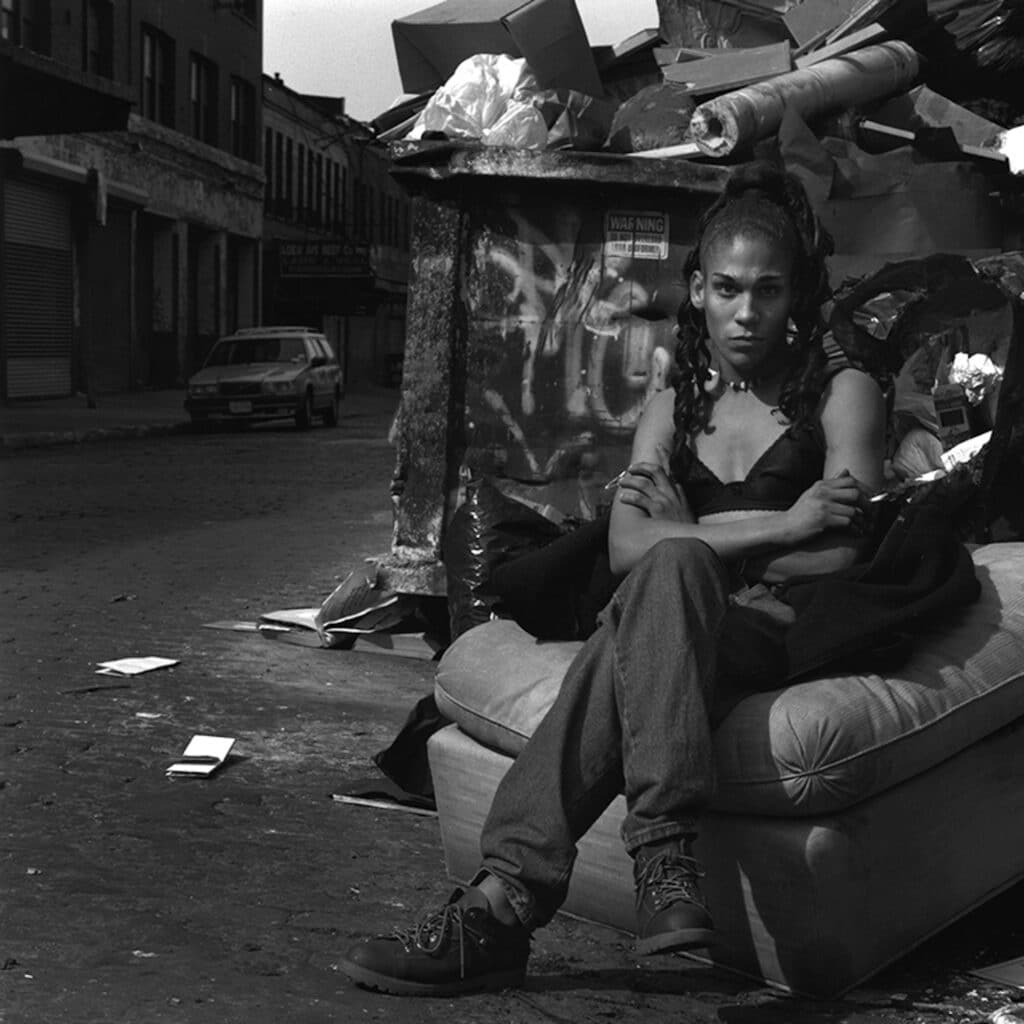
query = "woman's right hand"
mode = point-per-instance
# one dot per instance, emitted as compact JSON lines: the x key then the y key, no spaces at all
{"x":837,"y":503}
{"x":648,"y":487}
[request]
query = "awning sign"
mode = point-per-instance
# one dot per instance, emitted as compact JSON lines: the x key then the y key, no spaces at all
{"x":638,"y":235}
{"x":324,"y":259}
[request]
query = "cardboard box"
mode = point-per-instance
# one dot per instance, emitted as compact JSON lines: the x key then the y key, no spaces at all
{"x":430,"y":44}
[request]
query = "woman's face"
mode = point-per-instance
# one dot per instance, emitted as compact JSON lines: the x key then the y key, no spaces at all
{"x":745,"y":291}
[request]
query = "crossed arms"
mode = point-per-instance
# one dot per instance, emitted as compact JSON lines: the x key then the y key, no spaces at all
{"x":820,"y":532}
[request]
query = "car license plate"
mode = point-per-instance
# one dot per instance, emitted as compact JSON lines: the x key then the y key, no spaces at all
{"x":239,"y":408}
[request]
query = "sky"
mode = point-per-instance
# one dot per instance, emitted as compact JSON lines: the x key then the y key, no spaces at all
{"x":344,"y":47}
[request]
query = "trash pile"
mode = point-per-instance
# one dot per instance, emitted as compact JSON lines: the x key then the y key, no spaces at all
{"x":944,"y":76}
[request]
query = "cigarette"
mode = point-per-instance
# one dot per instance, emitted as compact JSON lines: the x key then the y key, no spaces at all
{"x":615,"y":480}
{"x":880,"y":496}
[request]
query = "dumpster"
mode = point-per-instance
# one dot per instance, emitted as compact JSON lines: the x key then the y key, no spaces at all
{"x":542,"y":307}
{"x":541,"y":315}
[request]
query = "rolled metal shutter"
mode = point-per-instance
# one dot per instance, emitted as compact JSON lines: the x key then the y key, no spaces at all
{"x":38,"y":290}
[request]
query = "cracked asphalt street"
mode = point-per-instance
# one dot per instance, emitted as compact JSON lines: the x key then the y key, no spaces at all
{"x":127,"y":897}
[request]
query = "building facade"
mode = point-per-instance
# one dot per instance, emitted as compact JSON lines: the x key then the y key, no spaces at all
{"x":124,"y":253}
{"x":335,"y":232}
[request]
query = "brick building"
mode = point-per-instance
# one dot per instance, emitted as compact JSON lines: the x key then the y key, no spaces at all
{"x":335,"y":231}
{"x":128,"y":242}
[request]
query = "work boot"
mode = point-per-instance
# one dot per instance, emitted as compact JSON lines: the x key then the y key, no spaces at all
{"x":670,"y":911}
{"x":460,"y":948}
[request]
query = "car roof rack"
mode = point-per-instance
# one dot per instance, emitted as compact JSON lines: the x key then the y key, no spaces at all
{"x":287,"y":329}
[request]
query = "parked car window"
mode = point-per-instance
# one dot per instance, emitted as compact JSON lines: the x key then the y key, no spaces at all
{"x":233,"y":351}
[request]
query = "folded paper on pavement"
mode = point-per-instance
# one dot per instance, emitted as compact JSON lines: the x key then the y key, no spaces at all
{"x":1009,"y":972}
{"x":358,"y":605}
{"x":203,"y":756}
{"x":382,"y":793}
{"x":132,"y":666}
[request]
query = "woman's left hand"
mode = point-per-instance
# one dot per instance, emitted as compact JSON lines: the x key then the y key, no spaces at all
{"x":648,"y":487}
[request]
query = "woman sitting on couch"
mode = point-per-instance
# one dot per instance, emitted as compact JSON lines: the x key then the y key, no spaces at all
{"x":754,"y":468}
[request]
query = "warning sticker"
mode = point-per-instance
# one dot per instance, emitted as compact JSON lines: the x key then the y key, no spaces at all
{"x":642,"y":236}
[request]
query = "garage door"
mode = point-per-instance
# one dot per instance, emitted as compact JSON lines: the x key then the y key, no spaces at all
{"x":37,"y":281}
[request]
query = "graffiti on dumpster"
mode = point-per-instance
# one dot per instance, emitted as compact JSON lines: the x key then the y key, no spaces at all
{"x":571,"y":329}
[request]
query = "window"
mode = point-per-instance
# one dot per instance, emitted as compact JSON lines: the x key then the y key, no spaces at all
{"x":10,"y":29}
{"x":157,"y":76}
{"x":289,"y":183}
{"x":310,"y":188}
{"x":300,"y":177}
{"x":202,"y":95}
{"x":359,"y":212}
{"x":268,"y":168}
{"x":243,"y":119}
{"x":338,"y":202}
{"x":26,"y":23}
{"x":279,"y":202}
{"x":344,"y":200}
{"x":318,"y":211}
{"x":99,"y":38}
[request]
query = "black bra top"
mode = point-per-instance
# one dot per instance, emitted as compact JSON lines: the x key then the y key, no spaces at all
{"x":794,"y":461}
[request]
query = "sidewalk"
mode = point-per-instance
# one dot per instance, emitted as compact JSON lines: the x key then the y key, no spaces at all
{"x":49,"y":421}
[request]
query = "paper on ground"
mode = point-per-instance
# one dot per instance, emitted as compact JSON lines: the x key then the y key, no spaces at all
{"x":132,"y":666}
{"x":1009,"y":972}
{"x":354,"y":598}
{"x":304,"y":617}
{"x":1011,"y":145}
{"x":382,"y":804}
{"x":203,"y":755}
{"x":356,"y":605}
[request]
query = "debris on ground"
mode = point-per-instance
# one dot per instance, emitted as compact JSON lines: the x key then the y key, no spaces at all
{"x":1007,"y":972}
{"x":358,"y":615}
{"x":202,"y":757}
{"x":133,"y":666}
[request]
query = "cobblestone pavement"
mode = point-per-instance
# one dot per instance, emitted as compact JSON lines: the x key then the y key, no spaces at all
{"x":130,"y":898}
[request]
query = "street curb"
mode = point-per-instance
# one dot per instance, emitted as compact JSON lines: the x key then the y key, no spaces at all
{"x":50,"y":438}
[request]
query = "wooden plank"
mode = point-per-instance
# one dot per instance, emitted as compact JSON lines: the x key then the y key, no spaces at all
{"x":645,"y":39}
{"x":682,"y":54}
{"x":860,"y":14}
{"x":685,"y":150}
{"x":814,"y":19}
{"x":765,"y":9}
{"x":870,"y":11}
{"x":722,"y":74}
{"x":873,"y":33}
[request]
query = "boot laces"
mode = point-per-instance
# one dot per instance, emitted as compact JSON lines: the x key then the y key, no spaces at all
{"x":670,"y":877}
{"x":432,"y":930}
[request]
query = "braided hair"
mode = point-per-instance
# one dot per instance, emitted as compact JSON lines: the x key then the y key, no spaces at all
{"x":764,"y":201}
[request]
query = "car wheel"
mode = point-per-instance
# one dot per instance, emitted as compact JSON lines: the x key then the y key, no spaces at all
{"x":200,"y":421}
{"x":304,"y":416}
{"x":333,"y":412}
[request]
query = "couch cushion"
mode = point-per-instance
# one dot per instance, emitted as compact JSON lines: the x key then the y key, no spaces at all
{"x":811,"y":748}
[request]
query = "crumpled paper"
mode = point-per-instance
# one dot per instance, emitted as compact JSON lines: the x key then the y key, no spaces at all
{"x":486,"y":98}
{"x":976,"y":374}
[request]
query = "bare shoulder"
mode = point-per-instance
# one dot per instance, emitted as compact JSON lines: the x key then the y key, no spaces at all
{"x":852,"y":399}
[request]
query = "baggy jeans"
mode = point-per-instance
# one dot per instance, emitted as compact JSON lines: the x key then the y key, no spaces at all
{"x":673,"y":651}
